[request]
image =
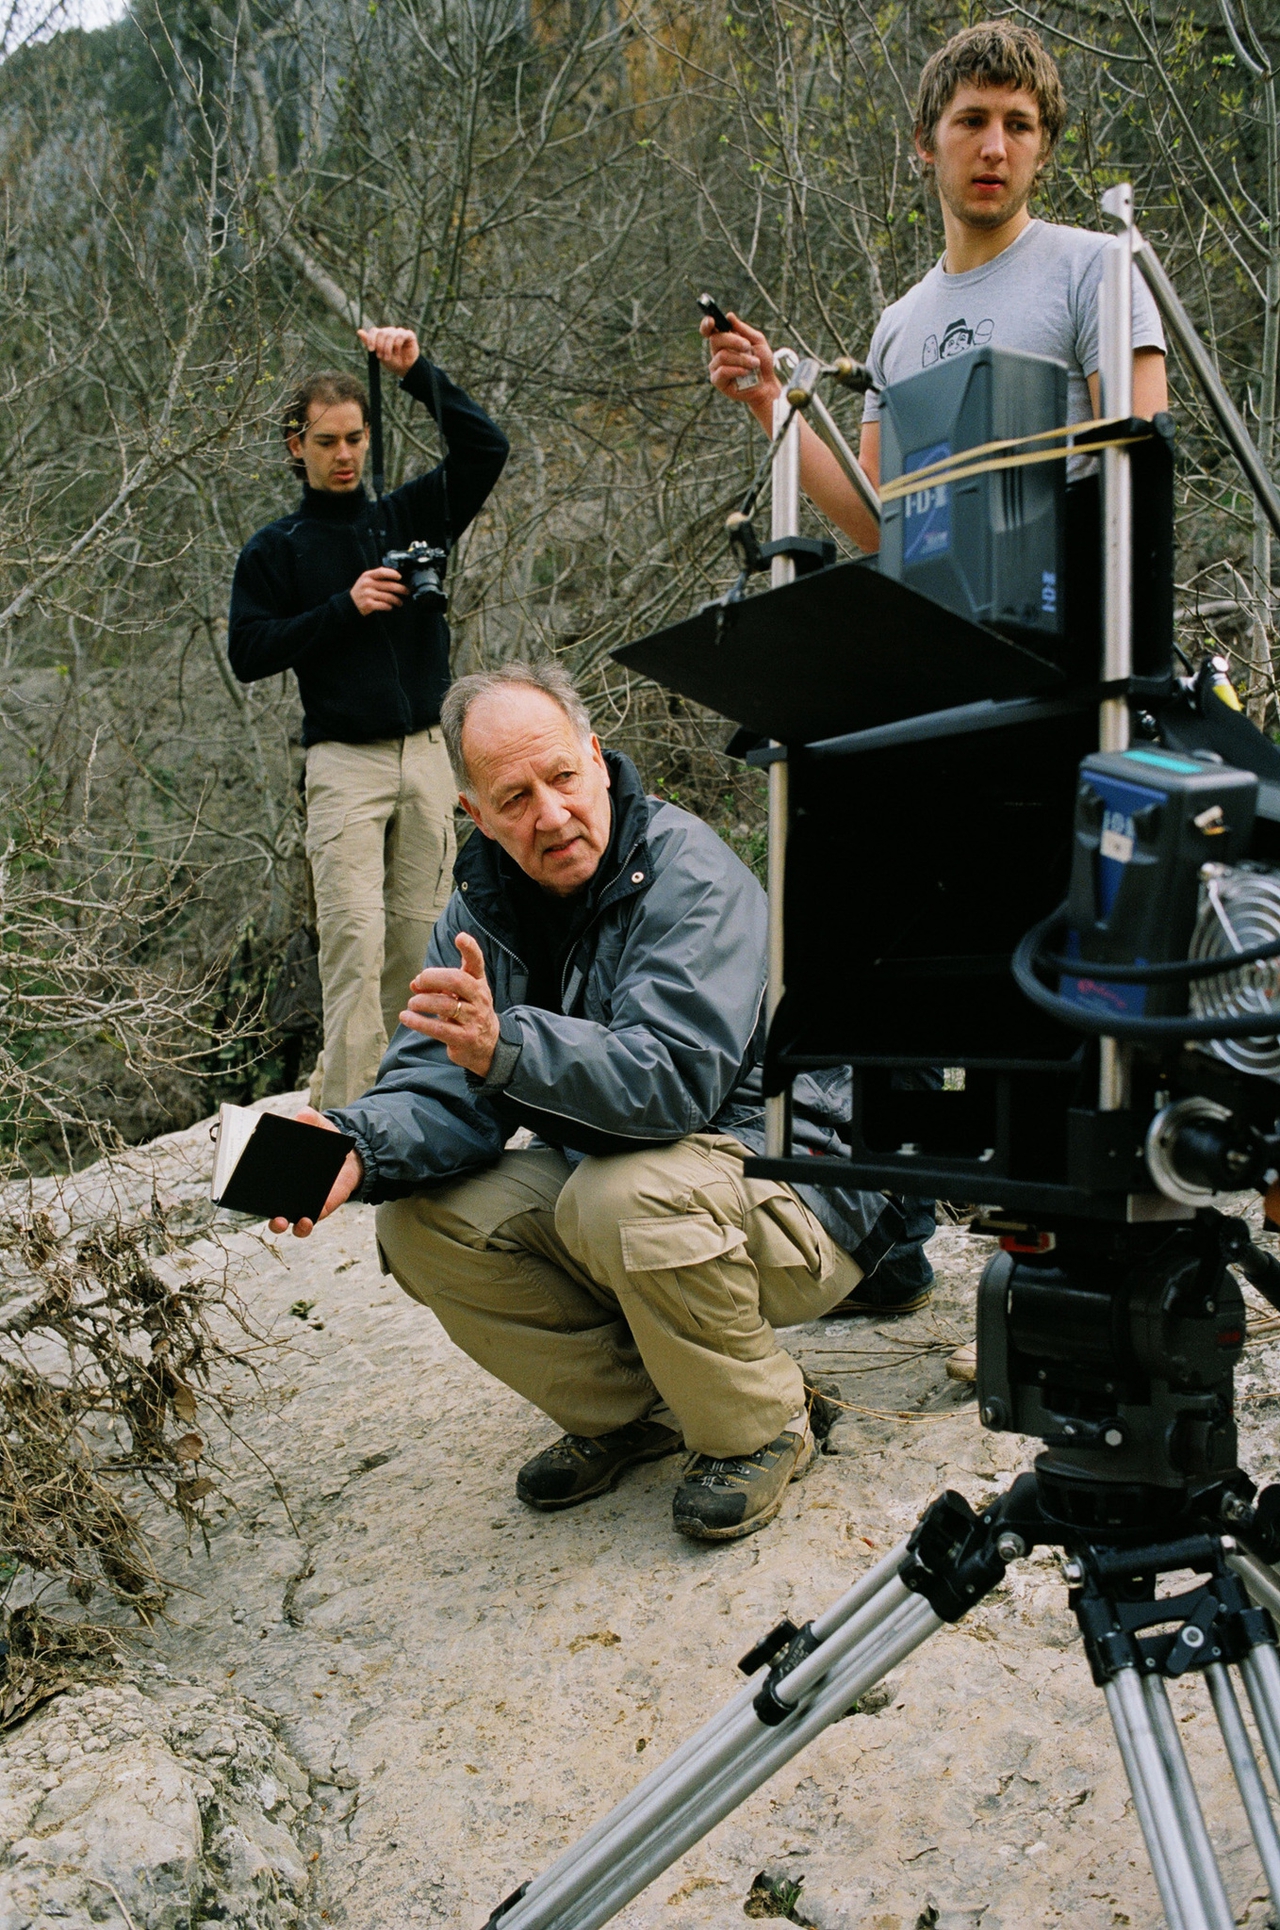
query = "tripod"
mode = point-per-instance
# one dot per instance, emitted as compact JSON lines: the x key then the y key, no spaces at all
{"x":1117,"y":1348}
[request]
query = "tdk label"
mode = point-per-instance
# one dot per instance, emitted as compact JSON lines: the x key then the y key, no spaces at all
{"x":1120,"y":803}
{"x":926,"y":513}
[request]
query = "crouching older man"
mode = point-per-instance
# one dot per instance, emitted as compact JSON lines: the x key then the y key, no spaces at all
{"x":598,"y":976}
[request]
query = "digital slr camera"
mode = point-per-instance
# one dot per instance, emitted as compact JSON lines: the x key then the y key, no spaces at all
{"x":421,"y":566}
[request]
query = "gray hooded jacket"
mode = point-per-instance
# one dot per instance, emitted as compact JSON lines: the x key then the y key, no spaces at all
{"x":660,"y":1031}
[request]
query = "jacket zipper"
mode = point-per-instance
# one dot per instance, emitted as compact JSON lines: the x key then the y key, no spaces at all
{"x":594,"y":919}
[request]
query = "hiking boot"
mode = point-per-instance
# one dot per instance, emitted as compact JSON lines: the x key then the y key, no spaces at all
{"x":578,"y":1466}
{"x":883,"y":1302}
{"x":724,"y":1499}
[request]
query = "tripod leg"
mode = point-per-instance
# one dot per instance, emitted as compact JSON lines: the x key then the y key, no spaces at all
{"x":698,"y":1748}
{"x":592,"y":1881}
{"x":1195,"y":1835}
{"x":1261,"y":1671}
{"x":1154,"y":1801}
{"x":1249,"y":1782}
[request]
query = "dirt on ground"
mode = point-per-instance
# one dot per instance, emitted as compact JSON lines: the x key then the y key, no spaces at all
{"x":387,"y":1693}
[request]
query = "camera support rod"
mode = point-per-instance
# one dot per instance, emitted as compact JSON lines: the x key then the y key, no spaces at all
{"x":785,"y":522}
{"x":1183,"y":331}
{"x":1116,"y":372}
{"x":802,"y":394}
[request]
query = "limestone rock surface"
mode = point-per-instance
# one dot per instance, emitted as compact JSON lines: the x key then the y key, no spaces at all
{"x":464,"y":1686}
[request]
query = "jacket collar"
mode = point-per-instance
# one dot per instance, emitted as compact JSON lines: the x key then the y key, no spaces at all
{"x":333,"y":506}
{"x":624,"y":870}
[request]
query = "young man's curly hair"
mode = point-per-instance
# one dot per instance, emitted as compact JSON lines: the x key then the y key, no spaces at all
{"x":993,"y":54}
{"x":328,"y":386}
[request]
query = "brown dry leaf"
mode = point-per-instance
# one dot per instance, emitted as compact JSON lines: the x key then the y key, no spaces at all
{"x":184,"y":1403}
{"x":195,"y":1490}
{"x":188,"y":1448}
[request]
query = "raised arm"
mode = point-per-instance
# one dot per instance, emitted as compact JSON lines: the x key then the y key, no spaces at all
{"x":476,"y":447}
{"x":821,"y":476}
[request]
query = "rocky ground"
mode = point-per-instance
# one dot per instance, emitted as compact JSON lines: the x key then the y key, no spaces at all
{"x":387,"y":1693}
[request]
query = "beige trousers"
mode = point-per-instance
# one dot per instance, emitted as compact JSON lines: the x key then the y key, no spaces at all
{"x":380,"y":841}
{"x":641,"y":1282}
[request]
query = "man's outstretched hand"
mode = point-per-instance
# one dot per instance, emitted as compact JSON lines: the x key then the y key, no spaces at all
{"x":343,"y":1187}
{"x":456,"y":1007}
{"x":396,"y":348}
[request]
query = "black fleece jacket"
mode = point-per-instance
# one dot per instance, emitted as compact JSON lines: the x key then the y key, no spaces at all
{"x":362,"y":677}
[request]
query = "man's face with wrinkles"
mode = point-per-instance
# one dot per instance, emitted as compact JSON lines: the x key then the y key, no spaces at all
{"x":987,"y":149}
{"x":536,"y":787}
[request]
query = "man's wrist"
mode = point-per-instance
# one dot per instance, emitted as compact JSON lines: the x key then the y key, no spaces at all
{"x":761,"y":403}
{"x":506,"y":1055}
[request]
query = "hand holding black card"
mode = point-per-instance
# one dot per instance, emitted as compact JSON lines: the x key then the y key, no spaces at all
{"x":276,"y":1167}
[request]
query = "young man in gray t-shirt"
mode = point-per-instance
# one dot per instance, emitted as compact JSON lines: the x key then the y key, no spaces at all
{"x":989,"y":111}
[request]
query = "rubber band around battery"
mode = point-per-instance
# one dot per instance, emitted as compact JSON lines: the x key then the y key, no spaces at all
{"x":939,"y":475}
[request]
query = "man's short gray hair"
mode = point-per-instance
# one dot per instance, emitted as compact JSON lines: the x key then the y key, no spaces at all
{"x":549,"y":677}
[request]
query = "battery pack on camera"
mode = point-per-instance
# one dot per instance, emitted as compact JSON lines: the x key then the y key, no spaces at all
{"x":1146,"y":823}
{"x":990,"y":544}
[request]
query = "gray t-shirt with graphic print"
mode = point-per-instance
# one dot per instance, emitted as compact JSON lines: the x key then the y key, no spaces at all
{"x":1039,"y":295}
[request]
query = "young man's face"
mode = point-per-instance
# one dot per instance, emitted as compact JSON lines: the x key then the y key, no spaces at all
{"x":333,"y":447}
{"x":987,"y":150}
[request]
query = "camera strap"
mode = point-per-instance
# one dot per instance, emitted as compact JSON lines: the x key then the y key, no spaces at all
{"x":376,"y":446}
{"x":375,"y":425}
{"x":437,"y":409}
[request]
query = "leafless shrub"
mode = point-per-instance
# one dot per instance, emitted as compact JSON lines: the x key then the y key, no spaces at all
{"x":112,"y":1371}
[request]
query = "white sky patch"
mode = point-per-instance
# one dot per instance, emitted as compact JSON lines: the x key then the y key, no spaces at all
{"x":96,"y":13}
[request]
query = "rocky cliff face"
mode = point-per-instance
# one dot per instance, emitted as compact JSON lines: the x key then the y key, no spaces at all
{"x":388,"y":1693}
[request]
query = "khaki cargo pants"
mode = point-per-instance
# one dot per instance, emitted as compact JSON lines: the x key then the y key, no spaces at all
{"x":626,"y":1286}
{"x":380,"y":841}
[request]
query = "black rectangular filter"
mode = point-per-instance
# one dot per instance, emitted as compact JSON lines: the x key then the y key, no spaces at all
{"x":287,"y":1169}
{"x":840,"y":650}
{"x":991,"y":548}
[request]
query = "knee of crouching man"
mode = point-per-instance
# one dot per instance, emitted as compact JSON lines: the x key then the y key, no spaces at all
{"x":597,"y":1196}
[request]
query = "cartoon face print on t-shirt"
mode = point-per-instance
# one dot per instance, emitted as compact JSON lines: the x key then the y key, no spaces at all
{"x":957,"y":340}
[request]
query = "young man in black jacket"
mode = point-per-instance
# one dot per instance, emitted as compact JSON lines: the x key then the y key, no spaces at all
{"x":310,"y":595}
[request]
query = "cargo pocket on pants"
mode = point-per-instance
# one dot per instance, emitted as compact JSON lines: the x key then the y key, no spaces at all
{"x":698,"y":1272}
{"x":785,"y":1234}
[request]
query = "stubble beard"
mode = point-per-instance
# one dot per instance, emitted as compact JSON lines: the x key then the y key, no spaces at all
{"x":986,"y":220}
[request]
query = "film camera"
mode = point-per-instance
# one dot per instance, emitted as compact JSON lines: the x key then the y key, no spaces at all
{"x":422,"y":567}
{"x":1011,"y":839}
